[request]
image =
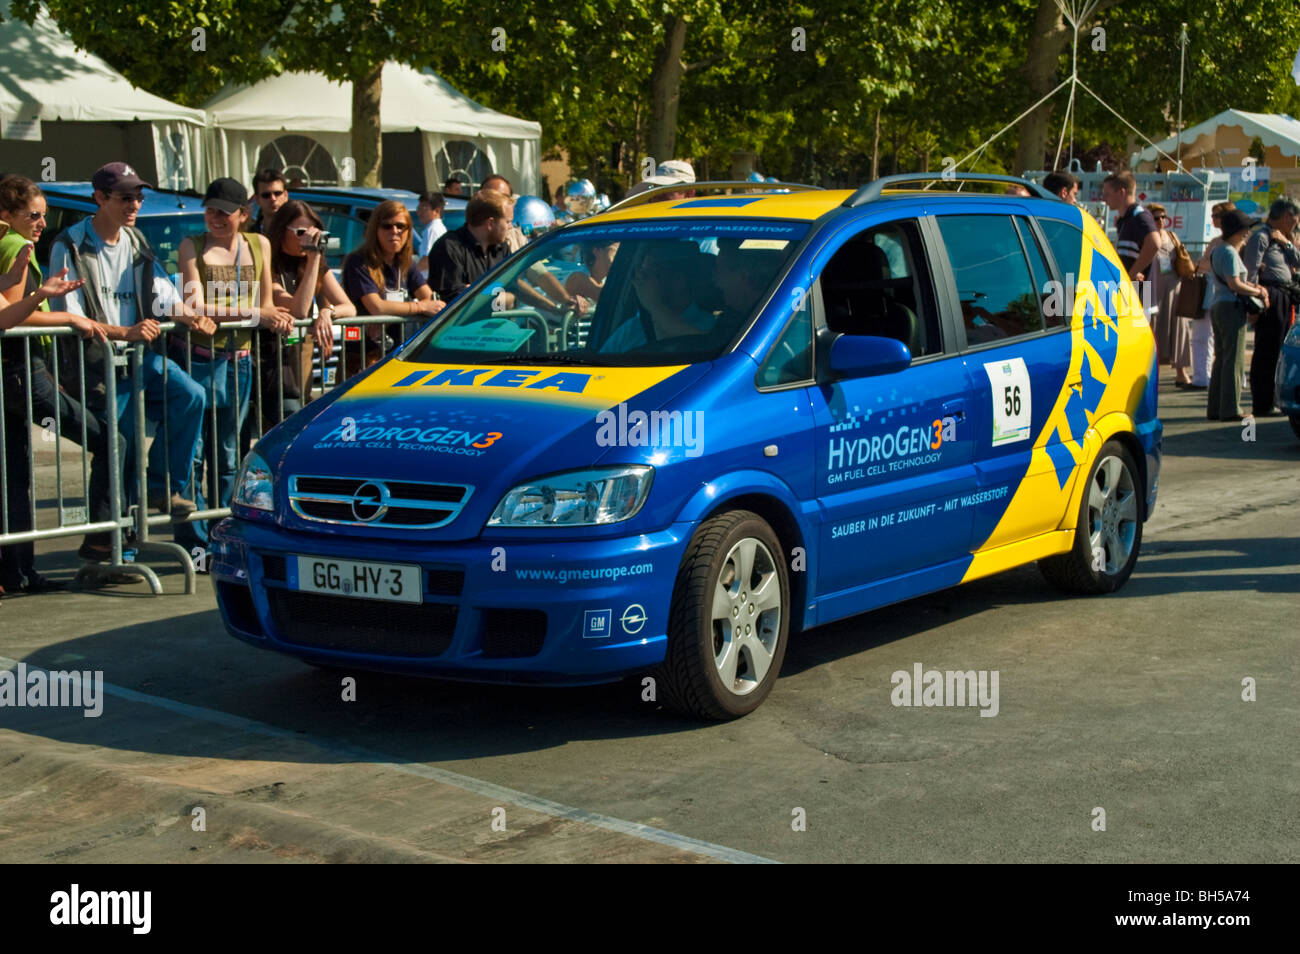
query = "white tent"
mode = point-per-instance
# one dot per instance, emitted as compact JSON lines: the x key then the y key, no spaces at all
{"x":301,"y":122}
{"x":67,"y":105}
{"x":1218,"y":141}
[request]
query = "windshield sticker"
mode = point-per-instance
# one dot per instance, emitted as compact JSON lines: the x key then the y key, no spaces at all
{"x":679,"y":229}
{"x":775,"y":244}
{"x":720,"y":202}
{"x":498,"y":334}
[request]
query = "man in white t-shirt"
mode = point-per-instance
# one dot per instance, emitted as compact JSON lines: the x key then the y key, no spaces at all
{"x":429,"y":227}
{"x":127,"y":293}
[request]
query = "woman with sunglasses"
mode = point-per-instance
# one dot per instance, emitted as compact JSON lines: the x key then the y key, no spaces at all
{"x":305,"y":286}
{"x":227,"y":276}
{"x":380,"y":277}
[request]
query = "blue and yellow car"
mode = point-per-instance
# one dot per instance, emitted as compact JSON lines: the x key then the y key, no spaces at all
{"x":786,"y":406}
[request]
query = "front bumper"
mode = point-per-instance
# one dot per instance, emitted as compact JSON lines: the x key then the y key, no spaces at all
{"x":572,"y":612}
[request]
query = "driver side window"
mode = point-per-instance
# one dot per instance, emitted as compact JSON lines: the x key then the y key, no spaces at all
{"x":878,"y":284}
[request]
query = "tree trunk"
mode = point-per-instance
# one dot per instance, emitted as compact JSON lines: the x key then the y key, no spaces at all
{"x":367,"y":143}
{"x":1049,"y":37}
{"x":666,"y":86}
{"x":1047,"y":40}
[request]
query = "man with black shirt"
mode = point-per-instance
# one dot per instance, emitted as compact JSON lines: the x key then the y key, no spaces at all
{"x":1137,"y":239}
{"x":464,"y":255}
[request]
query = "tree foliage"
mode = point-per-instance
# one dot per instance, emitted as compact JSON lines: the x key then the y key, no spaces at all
{"x":799,"y":87}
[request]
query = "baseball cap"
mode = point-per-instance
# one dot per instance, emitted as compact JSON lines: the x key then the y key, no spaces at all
{"x":117,"y":177}
{"x":227,"y":195}
{"x":672,"y":172}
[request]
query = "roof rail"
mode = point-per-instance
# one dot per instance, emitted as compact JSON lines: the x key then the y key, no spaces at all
{"x":649,"y":195}
{"x":876,"y":187}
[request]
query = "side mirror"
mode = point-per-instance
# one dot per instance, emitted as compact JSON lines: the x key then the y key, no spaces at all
{"x":865,"y":356}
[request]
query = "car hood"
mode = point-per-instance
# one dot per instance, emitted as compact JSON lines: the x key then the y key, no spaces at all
{"x":487,"y":427}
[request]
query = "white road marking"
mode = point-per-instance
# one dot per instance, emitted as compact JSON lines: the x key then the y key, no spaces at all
{"x":464,"y":782}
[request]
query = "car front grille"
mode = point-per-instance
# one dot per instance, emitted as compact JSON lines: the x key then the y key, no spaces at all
{"x":316,"y":621}
{"x":367,"y":502}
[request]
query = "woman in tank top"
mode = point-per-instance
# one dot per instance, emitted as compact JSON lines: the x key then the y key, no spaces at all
{"x":227,"y":275}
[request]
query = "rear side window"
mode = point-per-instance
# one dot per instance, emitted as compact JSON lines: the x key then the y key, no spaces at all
{"x":1042,"y":275}
{"x":1066,"y":243}
{"x":999,"y":299}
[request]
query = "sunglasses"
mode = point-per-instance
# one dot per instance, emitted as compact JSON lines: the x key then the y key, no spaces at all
{"x":274,"y":194}
{"x":129,"y":197}
{"x":35,"y":216}
{"x":395,"y":226}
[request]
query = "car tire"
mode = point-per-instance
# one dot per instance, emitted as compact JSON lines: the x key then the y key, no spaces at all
{"x":726,"y":635}
{"x":1108,"y":534}
{"x":1295,"y":424}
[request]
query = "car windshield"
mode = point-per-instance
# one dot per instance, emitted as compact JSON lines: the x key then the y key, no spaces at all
{"x":659,"y":293}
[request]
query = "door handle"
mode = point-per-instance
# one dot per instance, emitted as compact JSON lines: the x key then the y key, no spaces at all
{"x":955,"y":409}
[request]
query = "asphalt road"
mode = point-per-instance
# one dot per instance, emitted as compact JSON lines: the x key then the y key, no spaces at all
{"x":1130,"y":703}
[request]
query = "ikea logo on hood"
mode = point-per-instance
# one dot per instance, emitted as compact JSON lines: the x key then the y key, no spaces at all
{"x":568,"y":387}
{"x":571,"y":381}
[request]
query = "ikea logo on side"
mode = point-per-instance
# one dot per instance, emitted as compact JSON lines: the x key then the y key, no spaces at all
{"x":573,"y":382}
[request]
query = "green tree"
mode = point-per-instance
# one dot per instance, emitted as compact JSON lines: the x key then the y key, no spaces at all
{"x":187,"y":50}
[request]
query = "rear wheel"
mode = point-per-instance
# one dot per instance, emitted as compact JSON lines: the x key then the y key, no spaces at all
{"x":729,"y":621}
{"x":1109,"y":532}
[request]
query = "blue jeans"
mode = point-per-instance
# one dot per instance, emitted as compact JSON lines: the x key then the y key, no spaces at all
{"x":227,"y":385}
{"x":183,"y":399}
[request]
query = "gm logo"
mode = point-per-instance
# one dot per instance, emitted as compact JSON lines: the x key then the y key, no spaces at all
{"x":596,"y":624}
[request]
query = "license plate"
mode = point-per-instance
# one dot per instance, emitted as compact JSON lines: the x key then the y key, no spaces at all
{"x":396,"y":582}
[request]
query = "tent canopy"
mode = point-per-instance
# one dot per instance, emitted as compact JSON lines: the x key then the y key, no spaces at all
{"x":46,"y":77}
{"x":1276,"y":130}
{"x":65,"y":105}
{"x":244,"y":119}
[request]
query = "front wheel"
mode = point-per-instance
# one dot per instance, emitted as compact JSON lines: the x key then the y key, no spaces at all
{"x":729,"y":620}
{"x":1109,"y":532}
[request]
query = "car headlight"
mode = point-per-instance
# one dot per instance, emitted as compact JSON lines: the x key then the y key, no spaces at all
{"x":254,"y":485}
{"x":579,"y":498}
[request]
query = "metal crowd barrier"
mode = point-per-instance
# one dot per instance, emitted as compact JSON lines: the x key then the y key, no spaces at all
{"x":132,"y":525}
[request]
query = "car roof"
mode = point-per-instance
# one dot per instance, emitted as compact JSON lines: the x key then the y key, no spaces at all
{"x":804,"y":203}
{"x":156,"y":202}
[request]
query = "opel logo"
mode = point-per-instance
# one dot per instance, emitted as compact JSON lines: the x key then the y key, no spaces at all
{"x":370,"y":501}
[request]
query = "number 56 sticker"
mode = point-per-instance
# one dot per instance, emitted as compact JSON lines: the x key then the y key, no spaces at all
{"x":1012,"y":400}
